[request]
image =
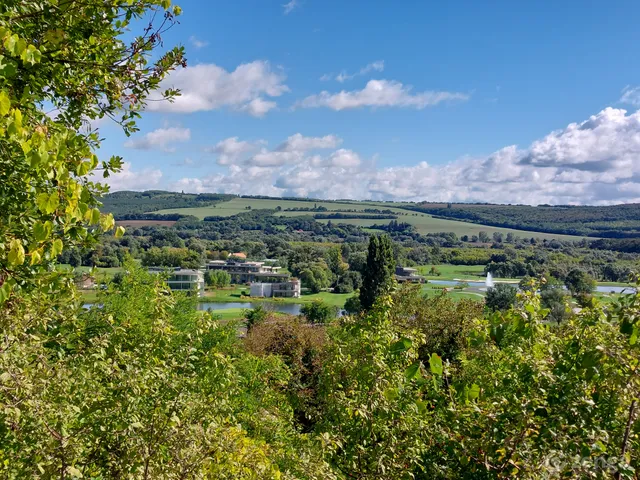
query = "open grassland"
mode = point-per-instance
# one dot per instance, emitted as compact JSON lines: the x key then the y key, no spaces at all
{"x":424,"y":223}
{"x":239,"y":205}
{"x":427,"y":224}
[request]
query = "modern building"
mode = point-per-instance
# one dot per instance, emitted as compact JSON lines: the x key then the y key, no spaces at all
{"x":247,"y":272}
{"x":184,"y":280}
{"x":289,"y":289}
{"x":406,"y":274}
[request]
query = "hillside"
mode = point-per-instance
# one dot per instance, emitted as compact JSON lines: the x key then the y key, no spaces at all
{"x":616,"y":221}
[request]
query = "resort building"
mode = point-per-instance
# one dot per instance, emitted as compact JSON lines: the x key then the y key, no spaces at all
{"x":181,"y":279}
{"x":406,"y":274}
{"x":247,"y":272}
{"x":290,"y":289}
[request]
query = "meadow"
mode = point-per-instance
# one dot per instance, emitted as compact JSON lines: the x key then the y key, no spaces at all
{"x":424,"y":223}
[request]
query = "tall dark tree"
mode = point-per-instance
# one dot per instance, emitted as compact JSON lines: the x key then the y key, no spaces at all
{"x":378,"y":275}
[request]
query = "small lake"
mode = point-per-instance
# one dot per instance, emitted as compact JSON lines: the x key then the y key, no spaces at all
{"x":599,"y":288}
{"x":289,"y":308}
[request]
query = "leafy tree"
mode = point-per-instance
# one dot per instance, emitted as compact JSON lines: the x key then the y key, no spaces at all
{"x":352,"y":305}
{"x":578,"y":281}
{"x":378,"y":277}
{"x":255,"y":316}
{"x":217,"y":278}
{"x":483,"y":237}
{"x":316,"y":277}
{"x":501,"y":297}
{"x":318,"y":311}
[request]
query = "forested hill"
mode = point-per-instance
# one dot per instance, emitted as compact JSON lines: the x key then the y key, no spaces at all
{"x":616,"y":221}
{"x":130,"y":204}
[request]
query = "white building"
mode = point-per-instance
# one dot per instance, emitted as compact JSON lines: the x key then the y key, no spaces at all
{"x":290,"y":289}
{"x":187,"y":280}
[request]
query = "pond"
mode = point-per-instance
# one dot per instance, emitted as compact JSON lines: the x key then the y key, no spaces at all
{"x":599,"y":288}
{"x":288,"y":308}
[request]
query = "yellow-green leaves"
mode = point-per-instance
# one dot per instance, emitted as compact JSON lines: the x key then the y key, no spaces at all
{"x":119,"y":232}
{"x":47,"y":203}
{"x":56,"y":247}
{"x":107,"y":222}
{"x":41,"y":231}
{"x":5,"y":103}
{"x":16,"y":252}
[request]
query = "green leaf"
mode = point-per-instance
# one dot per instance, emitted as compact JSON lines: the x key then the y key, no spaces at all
{"x":8,"y":67}
{"x":412,"y":371}
{"x":400,"y":346}
{"x":119,"y":232}
{"x":633,"y":339}
{"x":57,"y":247}
{"x":41,"y":231}
{"x":435,"y":363}
{"x":474,"y":392}
{"x":5,"y":291}
{"x":47,"y":203}
{"x":391,"y":394}
{"x":5,"y":103}
{"x":95,"y":216}
{"x":16,"y":252}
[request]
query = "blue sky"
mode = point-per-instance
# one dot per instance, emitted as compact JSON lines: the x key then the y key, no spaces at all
{"x":441,"y":101}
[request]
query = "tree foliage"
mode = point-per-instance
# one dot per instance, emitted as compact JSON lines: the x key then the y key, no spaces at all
{"x":378,"y":276}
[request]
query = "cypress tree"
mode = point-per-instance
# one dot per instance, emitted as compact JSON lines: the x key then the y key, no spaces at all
{"x":378,"y":276}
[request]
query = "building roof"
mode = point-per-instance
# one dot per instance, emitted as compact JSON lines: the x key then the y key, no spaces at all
{"x":186,"y":271}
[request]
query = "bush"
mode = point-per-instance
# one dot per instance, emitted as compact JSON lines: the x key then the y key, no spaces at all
{"x":318,"y":311}
{"x":501,"y":297}
{"x":301,"y":346}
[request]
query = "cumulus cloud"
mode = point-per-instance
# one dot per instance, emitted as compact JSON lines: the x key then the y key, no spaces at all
{"x":377,"y":66}
{"x":207,"y":86}
{"x":299,"y":142}
{"x":631,"y":96}
{"x":591,"y":162}
{"x":128,"y":179}
{"x":160,"y":139}
{"x":196,"y":42}
{"x":380,"y":93}
{"x":230,"y":150}
{"x":290,"y":6}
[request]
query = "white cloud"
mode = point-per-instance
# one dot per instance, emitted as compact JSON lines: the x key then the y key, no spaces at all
{"x":299,"y":142}
{"x":230,"y":150}
{"x":591,"y":162}
{"x":128,"y":179}
{"x":197,"y":42}
{"x":290,"y":6}
{"x":377,"y":66}
{"x":380,"y":93}
{"x":344,"y":158}
{"x":160,"y":139}
{"x":258,"y":107}
{"x":630,"y":96}
{"x":207,"y":86}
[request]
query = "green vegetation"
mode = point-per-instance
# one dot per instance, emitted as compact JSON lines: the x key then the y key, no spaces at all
{"x":144,"y":386}
{"x":617,"y":221}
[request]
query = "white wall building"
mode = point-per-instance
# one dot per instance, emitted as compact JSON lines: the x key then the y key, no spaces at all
{"x":290,"y":289}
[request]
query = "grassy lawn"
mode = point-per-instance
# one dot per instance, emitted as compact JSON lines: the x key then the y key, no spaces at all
{"x":234,"y":294}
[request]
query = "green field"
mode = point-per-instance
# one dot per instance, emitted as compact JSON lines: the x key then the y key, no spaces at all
{"x":427,"y":224}
{"x":424,"y":223}
{"x":235,"y":294}
{"x":239,"y":205}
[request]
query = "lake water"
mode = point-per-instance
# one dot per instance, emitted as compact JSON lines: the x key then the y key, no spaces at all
{"x":599,"y":288}
{"x":289,"y":308}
